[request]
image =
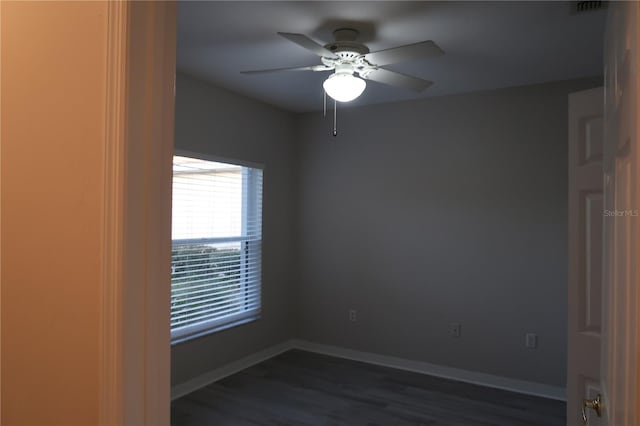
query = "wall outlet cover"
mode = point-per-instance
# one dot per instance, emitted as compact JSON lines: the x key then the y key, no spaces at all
{"x":531,"y":340}
{"x":353,"y":315}
{"x":455,"y":329}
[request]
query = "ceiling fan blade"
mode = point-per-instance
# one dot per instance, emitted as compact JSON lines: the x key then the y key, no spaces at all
{"x":420,"y":50}
{"x":307,"y":43}
{"x":310,"y":68}
{"x":396,"y":79}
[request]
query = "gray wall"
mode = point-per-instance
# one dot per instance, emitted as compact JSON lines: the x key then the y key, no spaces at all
{"x":418,"y":214}
{"x":217,"y":122}
{"x":451,"y":209}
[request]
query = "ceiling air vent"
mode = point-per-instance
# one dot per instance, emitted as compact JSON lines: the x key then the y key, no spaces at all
{"x":587,"y":6}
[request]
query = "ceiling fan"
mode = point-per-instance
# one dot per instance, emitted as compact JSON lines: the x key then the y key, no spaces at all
{"x":353,"y":63}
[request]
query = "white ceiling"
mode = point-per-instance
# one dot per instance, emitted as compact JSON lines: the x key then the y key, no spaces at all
{"x":487,"y":45}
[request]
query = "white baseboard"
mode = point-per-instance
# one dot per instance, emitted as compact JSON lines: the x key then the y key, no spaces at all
{"x":229,"y":369}
{"x":476,"y":378}
{"x":482,"y":379}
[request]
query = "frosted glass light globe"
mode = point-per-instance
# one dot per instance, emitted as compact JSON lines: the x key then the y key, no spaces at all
{"x":344,"y":87}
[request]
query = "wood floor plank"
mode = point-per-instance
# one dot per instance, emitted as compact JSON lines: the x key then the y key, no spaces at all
{"x":299,"y":388}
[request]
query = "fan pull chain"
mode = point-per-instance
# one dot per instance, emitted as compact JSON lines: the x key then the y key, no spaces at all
{"x":335,"y":117}
{"x":335,"y":114}
{"x":324,"y":103}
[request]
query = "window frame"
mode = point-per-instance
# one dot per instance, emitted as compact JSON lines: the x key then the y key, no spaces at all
{"x":190,"y":332}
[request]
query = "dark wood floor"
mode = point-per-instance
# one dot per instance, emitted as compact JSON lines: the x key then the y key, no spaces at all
{"x":301,"y":388}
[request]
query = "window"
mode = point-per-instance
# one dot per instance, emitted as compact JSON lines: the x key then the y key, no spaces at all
{"x":216,"y":246}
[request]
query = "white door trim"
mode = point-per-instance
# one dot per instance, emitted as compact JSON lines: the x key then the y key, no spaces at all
{"x":110,"y":327}
{"x":134,"y":333}
{"x":620,"y":368}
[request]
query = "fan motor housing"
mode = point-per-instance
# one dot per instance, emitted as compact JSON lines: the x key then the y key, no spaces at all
{"x":347,"y":49}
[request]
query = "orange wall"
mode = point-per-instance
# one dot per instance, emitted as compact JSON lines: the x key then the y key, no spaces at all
{"x":52,"y":111}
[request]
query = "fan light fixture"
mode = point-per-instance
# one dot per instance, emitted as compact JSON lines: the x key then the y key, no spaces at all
{"x":344,"y":86}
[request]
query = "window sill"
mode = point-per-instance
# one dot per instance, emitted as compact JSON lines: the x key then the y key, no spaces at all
{"x":207,"y":332}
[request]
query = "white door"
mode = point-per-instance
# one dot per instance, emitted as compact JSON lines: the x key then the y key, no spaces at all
{"x":604,"y":234}
{"x":586,"y":137}
{"x":619,"y":373}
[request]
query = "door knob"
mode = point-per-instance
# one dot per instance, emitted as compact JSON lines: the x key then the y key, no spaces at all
{"x":594,"y":404}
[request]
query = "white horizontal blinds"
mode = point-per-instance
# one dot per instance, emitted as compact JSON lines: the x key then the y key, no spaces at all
{"x":217,"y":244}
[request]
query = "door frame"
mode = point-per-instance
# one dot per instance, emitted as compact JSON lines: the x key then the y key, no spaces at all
{"x":620,"y":368}
{"x":139,"y":116}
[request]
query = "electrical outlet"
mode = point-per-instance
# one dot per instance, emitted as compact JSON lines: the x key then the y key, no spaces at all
{"x":531,"y":340}
{"x":353,"y":315}
{"x":455,"y":329}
